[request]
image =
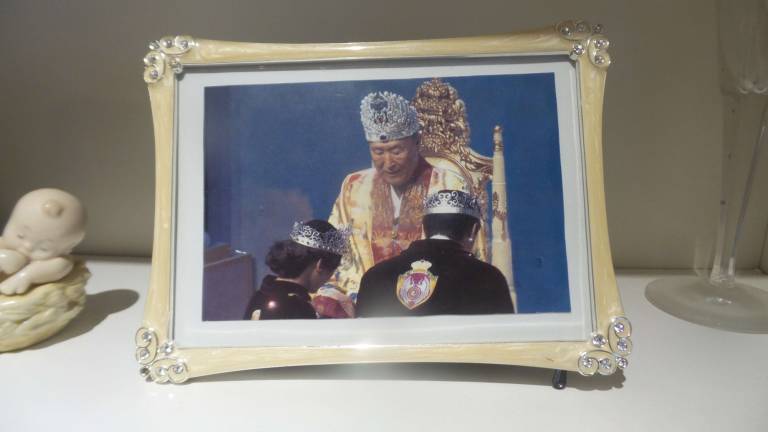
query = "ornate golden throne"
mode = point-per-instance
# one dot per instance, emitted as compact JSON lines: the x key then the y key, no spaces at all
{"x":445,"y":143}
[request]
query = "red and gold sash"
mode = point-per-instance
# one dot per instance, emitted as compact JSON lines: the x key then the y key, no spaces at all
{"x":390,"y":237}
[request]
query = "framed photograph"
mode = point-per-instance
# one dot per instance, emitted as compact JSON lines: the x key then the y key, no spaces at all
{"x":413,"y":201}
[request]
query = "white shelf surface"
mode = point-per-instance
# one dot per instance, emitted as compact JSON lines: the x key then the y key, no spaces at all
{"x":681,"y":377}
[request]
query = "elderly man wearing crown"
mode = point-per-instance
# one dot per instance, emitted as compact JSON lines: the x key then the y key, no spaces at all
{"x":383,"y":205}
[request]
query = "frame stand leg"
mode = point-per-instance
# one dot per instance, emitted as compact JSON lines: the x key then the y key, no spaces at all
{"x":559,"y":379}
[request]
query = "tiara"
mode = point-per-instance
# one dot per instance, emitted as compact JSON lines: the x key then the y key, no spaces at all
{"x":335,"y":241}
{"x":387,"y":116}
{"x":452,"y":202}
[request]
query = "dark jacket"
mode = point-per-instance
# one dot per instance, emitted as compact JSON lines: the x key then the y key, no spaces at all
{"x":281,"y":300}
{"x":465,"y":285}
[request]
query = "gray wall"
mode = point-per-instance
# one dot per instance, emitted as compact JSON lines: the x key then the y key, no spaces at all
{"x":74,"y":111}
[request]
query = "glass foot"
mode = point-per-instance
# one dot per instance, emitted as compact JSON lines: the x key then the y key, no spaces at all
{"x":738,"y":307}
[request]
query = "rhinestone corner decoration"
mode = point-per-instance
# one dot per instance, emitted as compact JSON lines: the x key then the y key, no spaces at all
{"x":612,"y":351}
{"x":165,"y":55}
{"x":587,"y":39}
{"x":156,"y":360}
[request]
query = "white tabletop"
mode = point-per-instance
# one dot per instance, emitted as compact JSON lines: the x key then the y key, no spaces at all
{"x":681,"y":377}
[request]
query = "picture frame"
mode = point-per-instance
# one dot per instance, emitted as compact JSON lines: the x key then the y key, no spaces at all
{"x":192,"y":81}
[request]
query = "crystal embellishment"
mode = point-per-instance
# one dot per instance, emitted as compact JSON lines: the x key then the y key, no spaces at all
{"x":599,"y":340}
{"x":166,"y":348}
{"x":143,"y":354}
{"x":619,"y":327}
{"x":622,"y":362}
{"x":601,"y":43}
{"x":178,"y":369}
{"x":604,"y":364}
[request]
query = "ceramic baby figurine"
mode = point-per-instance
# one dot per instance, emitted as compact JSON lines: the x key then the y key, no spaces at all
{"x":44,"y":227}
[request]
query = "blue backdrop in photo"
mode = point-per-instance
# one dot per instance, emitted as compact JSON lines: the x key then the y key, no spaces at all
{"x":278,"y":153}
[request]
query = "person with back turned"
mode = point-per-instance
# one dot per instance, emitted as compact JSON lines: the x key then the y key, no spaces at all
{"x":437,"y":275}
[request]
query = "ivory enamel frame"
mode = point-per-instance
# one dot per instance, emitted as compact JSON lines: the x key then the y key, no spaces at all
{"x":170,"y":347}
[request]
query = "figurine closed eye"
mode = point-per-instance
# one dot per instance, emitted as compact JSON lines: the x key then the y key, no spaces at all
{"x":44,"y":227}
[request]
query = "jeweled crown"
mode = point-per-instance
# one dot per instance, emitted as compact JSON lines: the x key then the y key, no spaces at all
{"x":387,"y":116}
{"x":452,"y":202}
{"x":335,"y":241}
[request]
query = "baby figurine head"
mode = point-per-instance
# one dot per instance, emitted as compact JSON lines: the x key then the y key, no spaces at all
{"x":45,"y":223}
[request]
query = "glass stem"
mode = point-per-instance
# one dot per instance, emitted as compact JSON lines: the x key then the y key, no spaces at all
{"x":724,"y":268}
